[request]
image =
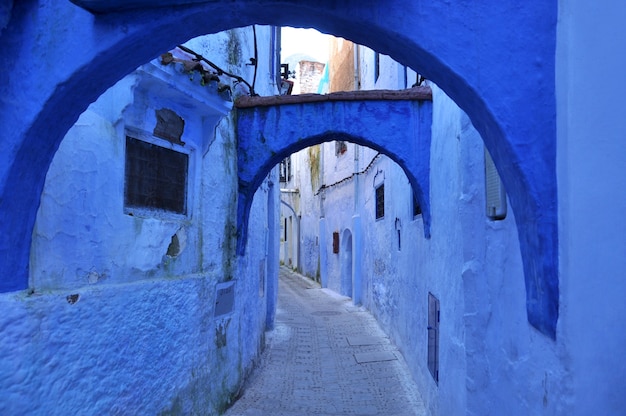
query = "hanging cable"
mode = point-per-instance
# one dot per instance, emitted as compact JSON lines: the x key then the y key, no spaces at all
{"x":219,"y":70}
{"x":256,"y":57}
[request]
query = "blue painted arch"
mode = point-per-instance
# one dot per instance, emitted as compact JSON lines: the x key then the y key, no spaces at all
{"x":59,"y":56}
{"x":266,"y":135}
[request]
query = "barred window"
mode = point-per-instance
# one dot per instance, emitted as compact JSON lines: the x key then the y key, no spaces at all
{"x":380,"y":201}
{"x":433,"y":336}
{"x":155,"y":177}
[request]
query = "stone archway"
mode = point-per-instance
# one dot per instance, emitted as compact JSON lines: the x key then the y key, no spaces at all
{"x":506,"y":87}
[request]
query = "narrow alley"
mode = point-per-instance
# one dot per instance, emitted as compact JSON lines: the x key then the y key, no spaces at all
{"x":326,"y":357}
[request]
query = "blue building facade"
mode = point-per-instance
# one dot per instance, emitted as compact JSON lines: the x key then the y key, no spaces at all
{"x":539,"y":333}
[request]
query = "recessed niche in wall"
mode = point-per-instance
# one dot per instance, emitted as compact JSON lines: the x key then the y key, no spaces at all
{"x":169,"y":126}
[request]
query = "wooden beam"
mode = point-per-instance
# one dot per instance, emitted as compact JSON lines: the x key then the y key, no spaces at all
{"x":411,"y":94}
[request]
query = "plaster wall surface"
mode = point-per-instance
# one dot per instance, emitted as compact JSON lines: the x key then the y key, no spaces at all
{"x":470,"y":263}
{"x":342,"y":75}
{"x":491,"y":72}
{"x":591,"y":163}
{"x":471,"y":61}
{"x":307,"y":177}
{"x":116,"y":321}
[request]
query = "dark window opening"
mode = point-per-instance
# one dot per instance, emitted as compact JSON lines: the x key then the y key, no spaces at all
{"x":341,"y":147}
{"x":285,"y":230}
{"x":285,"y":170}
{"x":495,"y":195}
{"x":155,"y":177}
{"x":335,"y":242}
{"x":380,"y":201}
{"x":433,"y":336}
{"x":417,"y":209}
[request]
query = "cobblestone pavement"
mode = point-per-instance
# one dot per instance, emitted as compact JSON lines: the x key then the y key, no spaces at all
{"x":326,"y":357}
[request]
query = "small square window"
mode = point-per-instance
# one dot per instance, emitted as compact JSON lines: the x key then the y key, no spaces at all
{"x":155,"y":177}
{"x":380,"y":201}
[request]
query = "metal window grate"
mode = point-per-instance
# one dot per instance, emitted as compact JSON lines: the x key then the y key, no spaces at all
{"x":155,"y":177}
{"x":433,"y":336}
{"x":380,"y":201}
{"x":285,"y":170}
{"x":495,"y":194}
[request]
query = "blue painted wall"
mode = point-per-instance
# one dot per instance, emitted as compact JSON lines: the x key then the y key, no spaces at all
{"x":114,"y":321}
{"x":503,"y":79}
{"x":485,"y":69}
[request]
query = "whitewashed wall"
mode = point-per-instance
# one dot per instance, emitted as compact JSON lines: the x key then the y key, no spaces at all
{"x":491,"y":361}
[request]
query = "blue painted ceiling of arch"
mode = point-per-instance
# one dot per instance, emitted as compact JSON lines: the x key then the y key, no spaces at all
{"x":502,"y":78}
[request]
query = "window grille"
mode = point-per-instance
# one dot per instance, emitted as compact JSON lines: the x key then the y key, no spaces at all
{"x":155,"y":177}
{"x":285,"y":170}
{"x":433,"y":336}
{"x":380,"y":201}
{"x":495,"y":195}
{"x":417,"y":209}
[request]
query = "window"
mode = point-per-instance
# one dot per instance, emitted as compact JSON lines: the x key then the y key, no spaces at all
{"x":335,"y":242}
{"x":417,"y":209}
{"x":285,"y":230}
{"x":495,"y":195}
{"x":380,"y":201}
{"x":340,"y":147}
{"x":433,"y":336}
{"x":155,"y":177}
{"x":285,"y":170}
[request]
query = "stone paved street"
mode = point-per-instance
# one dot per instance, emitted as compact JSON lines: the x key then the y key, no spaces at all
{"x":326,"y":357}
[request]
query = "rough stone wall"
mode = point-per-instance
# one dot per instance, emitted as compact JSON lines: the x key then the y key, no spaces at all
{"x":309,"y":75}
